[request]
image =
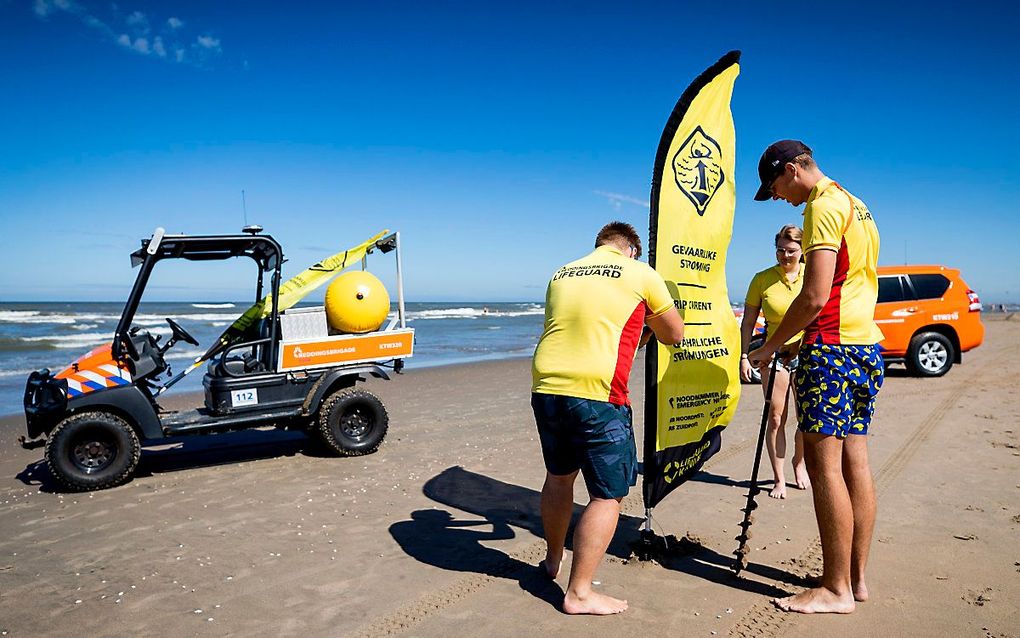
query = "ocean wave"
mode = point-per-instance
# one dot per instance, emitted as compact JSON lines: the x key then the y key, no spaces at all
{"x":68,"y":341}
{"x":470,"y":312}
{"x":152,"y":319}
{"x":36,"y":317}
{"x":73,"y":340}
{"x":33,"y":316}
{"x":213,"y":305}
{"x":190,"y":354}
{"x":15,"y":373}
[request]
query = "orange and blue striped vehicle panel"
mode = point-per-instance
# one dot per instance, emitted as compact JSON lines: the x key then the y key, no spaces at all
{"x":94,"y":371}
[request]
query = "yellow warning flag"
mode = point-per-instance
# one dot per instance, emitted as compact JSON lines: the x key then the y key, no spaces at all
{"x":693,"y":387}
{"x":294,"y":290}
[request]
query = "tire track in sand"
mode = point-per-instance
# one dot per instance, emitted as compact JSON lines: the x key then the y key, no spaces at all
{"x":511,"y":567}
{"x":764,"y":620}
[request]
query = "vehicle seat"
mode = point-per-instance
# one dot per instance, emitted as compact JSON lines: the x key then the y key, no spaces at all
{"x":243,"y":361}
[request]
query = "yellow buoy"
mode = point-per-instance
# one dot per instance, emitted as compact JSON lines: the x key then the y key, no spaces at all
{"x":357,"y":302}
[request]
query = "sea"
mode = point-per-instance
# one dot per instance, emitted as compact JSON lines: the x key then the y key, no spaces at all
{"x":52,"y":335}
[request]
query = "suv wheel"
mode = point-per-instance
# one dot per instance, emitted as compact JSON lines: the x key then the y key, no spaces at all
{"x":92,"y":451}
{"x":353,"y":422}
{"x":930,"y":354}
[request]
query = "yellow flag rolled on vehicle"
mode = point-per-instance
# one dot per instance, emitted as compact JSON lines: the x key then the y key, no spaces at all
{"x":292,"y":291}
{"x":692,"y":387}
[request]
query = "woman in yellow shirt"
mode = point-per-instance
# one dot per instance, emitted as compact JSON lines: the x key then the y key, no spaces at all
{"x":771,"y":292}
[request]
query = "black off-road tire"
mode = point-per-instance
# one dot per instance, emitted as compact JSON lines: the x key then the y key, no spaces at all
{"x":930,"y":354}
{"x":92,"y":451}
{"x":353,"y":422}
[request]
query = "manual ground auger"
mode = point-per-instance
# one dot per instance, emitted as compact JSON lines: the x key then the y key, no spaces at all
{"x":753,"y":490}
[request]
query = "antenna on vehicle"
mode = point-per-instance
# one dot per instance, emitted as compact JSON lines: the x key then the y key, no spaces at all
{"x":244,"y":207}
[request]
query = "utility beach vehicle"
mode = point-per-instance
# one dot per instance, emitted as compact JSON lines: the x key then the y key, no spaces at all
{"x":281,"y":368}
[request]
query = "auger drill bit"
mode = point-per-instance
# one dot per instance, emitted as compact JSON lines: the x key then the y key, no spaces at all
{"x":745,"y":525}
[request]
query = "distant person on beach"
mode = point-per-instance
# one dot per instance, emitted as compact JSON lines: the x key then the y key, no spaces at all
{"x":595,"y":312}
{"x":840,"y":369}
{"x":771,"y":292}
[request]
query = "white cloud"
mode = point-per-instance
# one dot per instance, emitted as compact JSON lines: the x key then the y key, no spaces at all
{"x":139,"y":45}
{"x":138,"y":21}
{"x":617,"y":200}
{"x":208,"y":42}
{"x":135,"y":32}
{"x":44,"y":8}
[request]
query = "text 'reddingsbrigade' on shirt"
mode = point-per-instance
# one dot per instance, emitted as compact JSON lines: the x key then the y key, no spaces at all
{"x":595,"y":308}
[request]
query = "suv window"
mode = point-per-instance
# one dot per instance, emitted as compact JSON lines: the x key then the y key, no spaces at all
{"x":929,"y":286}
{"x":890,"y":289}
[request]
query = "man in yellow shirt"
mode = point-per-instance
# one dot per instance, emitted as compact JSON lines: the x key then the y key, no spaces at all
{"x":840,"y":368}
{"x":595,"y":311}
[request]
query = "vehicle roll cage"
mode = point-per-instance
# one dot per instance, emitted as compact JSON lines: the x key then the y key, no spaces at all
{"x":262,"y":249}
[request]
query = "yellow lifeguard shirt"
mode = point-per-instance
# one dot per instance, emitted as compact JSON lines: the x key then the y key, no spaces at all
{"x":595,"y":308}
{"x":771,"y":291}
{"x":836,"y":220}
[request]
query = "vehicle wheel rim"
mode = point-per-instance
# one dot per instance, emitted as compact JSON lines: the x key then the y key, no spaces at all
{"x":932,"y":356}
{"x":355,"y":423}
{"x":92,"y":455}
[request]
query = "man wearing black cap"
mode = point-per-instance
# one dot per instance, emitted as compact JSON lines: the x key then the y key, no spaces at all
{"x":840,"y":369}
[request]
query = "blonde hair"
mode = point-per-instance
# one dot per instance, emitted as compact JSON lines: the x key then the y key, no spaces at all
{"x":804,"y":160}
{"x":790,"y":232}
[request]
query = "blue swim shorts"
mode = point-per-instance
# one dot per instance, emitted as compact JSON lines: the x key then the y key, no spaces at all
{"x":836,"y":388}
{"x":592,"y":436}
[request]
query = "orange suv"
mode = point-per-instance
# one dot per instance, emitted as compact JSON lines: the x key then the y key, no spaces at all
{"x":929,"y":317}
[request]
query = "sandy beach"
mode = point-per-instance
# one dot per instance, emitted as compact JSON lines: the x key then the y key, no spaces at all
{"x":438,"y":534}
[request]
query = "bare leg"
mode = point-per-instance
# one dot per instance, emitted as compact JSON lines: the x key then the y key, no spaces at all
{"x":857,"y":474}
{"x":591,"y":538}
{"x":775,"y":436}
{"x":800,"y":473}
{"x":835,"y":517}
{"x":557,"y":507}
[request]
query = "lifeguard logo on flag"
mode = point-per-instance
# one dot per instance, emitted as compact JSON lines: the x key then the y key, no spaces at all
{"x":697,"y":169}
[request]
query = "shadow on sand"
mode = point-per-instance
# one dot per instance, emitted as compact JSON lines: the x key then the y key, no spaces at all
{"x":437,"y":538}
{"x":434,"y":537}
{"x":190,"y":452}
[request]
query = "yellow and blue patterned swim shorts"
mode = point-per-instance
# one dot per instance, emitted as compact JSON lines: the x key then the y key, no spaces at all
{"x":836,"y":388}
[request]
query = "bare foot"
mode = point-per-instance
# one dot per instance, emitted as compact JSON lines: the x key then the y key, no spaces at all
{"x":779,"y":489}
{"x":816,"y":601}
{"x":593,"y":603}
{"x":550,"y":567}
{"x":800,"y":476}
{"x":860,"y":591}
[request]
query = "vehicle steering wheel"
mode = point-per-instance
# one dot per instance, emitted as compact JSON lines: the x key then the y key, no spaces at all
{"x":180,"y":333}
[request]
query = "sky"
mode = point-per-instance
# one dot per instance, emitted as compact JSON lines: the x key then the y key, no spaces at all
{"x":496,"y":137}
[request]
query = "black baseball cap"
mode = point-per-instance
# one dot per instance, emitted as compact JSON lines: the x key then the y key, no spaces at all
{"x":773,"y":162}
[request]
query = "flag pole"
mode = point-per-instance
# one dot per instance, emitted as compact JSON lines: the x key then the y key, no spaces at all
{"x":645,"y":548}
{"x":753,"y":490}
